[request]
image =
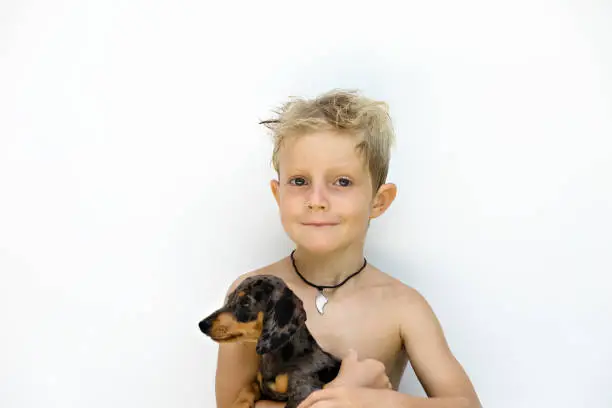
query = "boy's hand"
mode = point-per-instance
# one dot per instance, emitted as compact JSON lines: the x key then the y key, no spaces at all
{"x":348,"y":397}
{"x":269,"y":404}
{"x":367,"y":373}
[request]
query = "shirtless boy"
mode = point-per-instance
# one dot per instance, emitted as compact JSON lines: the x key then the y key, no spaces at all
{"x":331,"y":155}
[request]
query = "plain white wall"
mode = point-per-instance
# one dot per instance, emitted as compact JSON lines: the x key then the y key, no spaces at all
{"x":134,"y":185}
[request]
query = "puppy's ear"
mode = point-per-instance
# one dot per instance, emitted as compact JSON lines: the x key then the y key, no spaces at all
{"x":284,"y":315}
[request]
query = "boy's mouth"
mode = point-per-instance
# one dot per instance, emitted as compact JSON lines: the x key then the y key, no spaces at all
{"x":319,"y":224}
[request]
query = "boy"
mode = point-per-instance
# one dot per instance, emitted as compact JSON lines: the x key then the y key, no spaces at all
{"x":331,"y":155}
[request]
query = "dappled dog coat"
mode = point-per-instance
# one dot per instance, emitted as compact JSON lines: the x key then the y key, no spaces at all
{"x":292,"y":365}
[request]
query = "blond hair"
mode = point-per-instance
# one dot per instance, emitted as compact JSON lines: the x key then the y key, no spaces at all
{"x":344,"y":111}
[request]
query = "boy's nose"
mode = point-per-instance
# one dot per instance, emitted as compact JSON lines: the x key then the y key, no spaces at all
{"x":317,"y":199}
{"x":316,"y":205}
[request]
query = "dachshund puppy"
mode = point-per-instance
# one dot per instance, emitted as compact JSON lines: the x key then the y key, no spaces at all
{"x":262,"y":309}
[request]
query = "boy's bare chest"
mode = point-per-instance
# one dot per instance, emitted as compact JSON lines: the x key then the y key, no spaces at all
{"x":358,"y":322}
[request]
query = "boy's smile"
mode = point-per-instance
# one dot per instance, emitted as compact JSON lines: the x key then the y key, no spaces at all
{"x":324,"y":191}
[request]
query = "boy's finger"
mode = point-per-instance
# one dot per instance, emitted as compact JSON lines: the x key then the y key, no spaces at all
{"x":351,"y":355}
{"x":317,"y":396}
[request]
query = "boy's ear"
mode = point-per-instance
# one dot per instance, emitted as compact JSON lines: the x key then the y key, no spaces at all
{"x":275,"y":187}
{"x":383,"y":199}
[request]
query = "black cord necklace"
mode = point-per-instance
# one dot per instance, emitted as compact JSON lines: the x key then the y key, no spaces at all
{"x":320,"y":299}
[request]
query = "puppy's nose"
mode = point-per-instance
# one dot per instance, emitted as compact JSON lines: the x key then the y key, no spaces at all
{"x":205,"y":325}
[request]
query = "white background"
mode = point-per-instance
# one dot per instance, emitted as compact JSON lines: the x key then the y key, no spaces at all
{"x":134,"y":185}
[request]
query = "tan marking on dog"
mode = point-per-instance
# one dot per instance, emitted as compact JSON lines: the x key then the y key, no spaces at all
{"x":280,"y":384}
{"x":241,"y":294}
{"x":225,"y":328}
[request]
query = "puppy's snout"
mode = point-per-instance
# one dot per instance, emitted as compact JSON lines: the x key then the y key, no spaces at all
{"x":205,"y":325}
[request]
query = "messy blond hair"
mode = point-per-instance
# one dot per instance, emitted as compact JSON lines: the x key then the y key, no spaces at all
{"x":344,"y":111}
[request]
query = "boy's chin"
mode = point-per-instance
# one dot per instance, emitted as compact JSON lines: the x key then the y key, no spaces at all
{"x":318,"y":247}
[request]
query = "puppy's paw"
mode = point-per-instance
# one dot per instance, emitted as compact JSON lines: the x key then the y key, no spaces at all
{"x":244,"y":404}
{"x":256,"y":389}
{"x":247,"y":397}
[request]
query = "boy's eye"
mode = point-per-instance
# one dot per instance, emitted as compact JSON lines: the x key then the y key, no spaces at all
{"x":344,"y":182}
{"x":298,"y":181}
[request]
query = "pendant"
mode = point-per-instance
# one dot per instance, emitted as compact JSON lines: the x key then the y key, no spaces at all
{"x":320,"y":302}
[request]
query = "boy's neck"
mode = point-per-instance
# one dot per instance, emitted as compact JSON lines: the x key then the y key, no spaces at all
{"x":330,"y":268}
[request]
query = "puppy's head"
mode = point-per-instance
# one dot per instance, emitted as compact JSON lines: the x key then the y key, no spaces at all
{"x":261,"y":309}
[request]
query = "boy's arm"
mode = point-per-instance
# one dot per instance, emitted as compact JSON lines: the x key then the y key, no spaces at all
{"x":236,"y":369}
{"x":442,"y":377}
{"x":444,"y":380}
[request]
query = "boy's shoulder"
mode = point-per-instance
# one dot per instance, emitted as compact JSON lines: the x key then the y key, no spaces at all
{"x":379,"y":286}
{"x":271,"y":269}
{"x":392,"y":287}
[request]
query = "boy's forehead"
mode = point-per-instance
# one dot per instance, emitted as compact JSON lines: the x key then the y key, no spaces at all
{"x":321,"y":149}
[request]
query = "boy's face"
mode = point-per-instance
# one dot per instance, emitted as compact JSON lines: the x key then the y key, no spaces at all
{"x":325,"y":193}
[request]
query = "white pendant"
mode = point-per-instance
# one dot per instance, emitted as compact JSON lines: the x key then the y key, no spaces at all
{"x":320,"y":302}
